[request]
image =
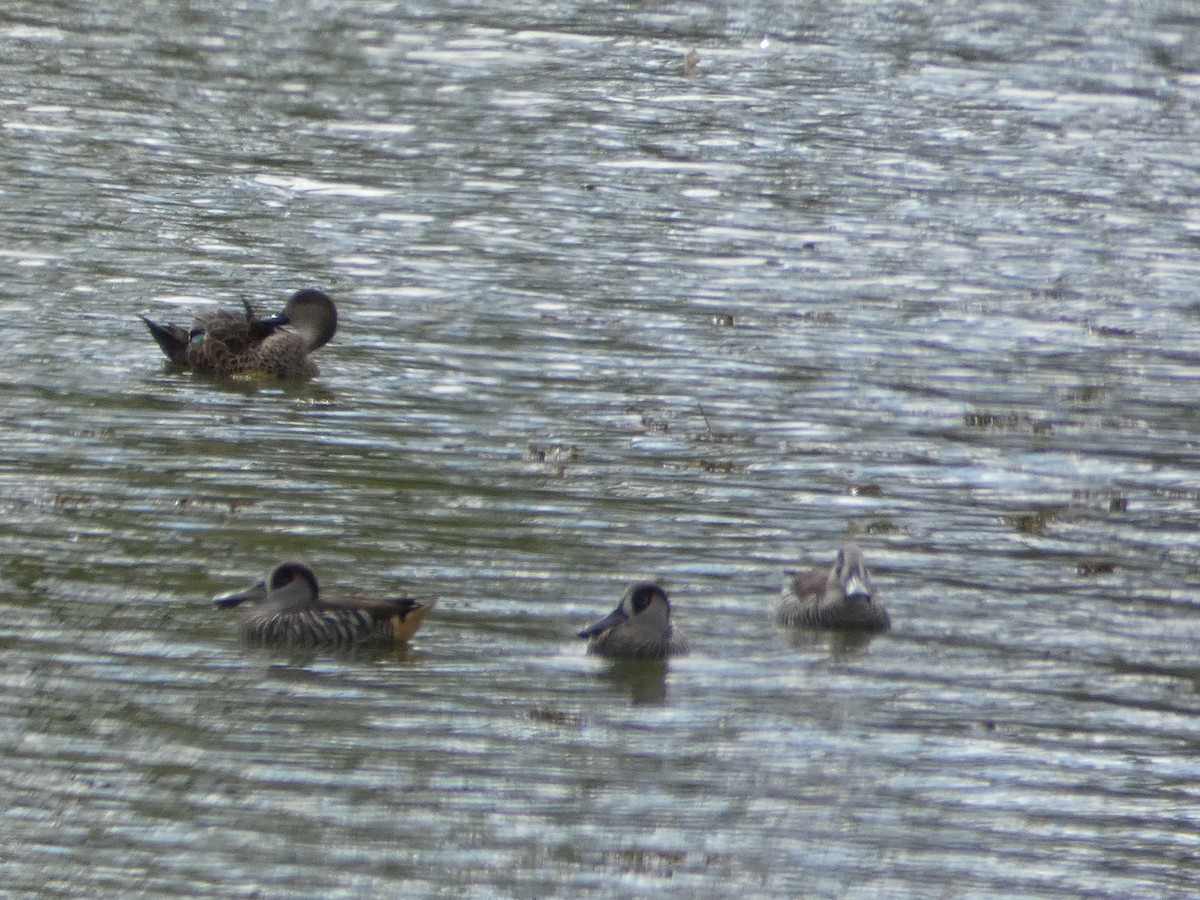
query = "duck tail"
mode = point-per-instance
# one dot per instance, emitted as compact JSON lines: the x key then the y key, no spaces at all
{"x":172,"y":340}
{"x":408,"y":618}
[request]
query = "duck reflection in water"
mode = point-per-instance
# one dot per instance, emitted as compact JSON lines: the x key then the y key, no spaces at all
{"x":644,"y":680}
{"x":841,"y":645}
{"x":637,"y":638}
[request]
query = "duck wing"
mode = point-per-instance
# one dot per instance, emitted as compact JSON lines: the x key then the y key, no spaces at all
{"x":378,"y":609}
{"x":809,"y":584}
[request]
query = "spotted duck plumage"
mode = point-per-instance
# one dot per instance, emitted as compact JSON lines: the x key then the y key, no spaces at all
{"x":288,"y":609}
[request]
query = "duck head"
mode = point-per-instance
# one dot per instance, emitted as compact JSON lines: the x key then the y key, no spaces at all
{"x":311,"y":314}
{"x":290,"y":586}
{"x":849,"y":578}
{"x":644,"y":606}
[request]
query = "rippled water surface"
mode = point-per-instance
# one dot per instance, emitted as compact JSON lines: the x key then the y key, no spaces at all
{"x":922,"y":273}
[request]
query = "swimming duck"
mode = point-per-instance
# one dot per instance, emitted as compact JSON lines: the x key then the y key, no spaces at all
{"x":838,"y":597}
{"x":289,"y":609}
{"x":229,"y":342}
{"x":639,"y":628}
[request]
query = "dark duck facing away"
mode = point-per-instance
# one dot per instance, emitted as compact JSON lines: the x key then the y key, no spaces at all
{"x":289,"y":610}
{"x":230,"y":342}
{"x":838,"y":597}
{"x":639,"y":628}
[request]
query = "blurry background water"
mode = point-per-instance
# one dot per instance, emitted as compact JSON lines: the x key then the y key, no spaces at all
{"x":922,"y":273}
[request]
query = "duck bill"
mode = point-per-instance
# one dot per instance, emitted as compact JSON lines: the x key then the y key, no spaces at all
{"x":614,"y":618}
{"x":856,"y":589}
{"x":406,"y":625}
{"x":256,"y":594}
{"x":277,"y":319}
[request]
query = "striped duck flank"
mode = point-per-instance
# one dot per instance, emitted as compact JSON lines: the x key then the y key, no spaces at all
{"x":288,"y":609}
{"x":229,"y":342}
{"x":838,"y":597}
{"x":639,"y":628}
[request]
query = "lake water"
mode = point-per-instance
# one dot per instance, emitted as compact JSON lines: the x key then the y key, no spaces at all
{"x":919,"y":273}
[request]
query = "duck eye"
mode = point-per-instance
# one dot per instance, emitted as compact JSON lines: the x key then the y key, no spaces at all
{"x":641,"y":598}
{"x":283,"y":575}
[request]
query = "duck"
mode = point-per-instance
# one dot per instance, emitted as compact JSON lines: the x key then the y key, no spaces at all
{"x":230,"y":342}
{"x":289,"y":609}
{"x":639,"y":628}
{"x":838,"y":597}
